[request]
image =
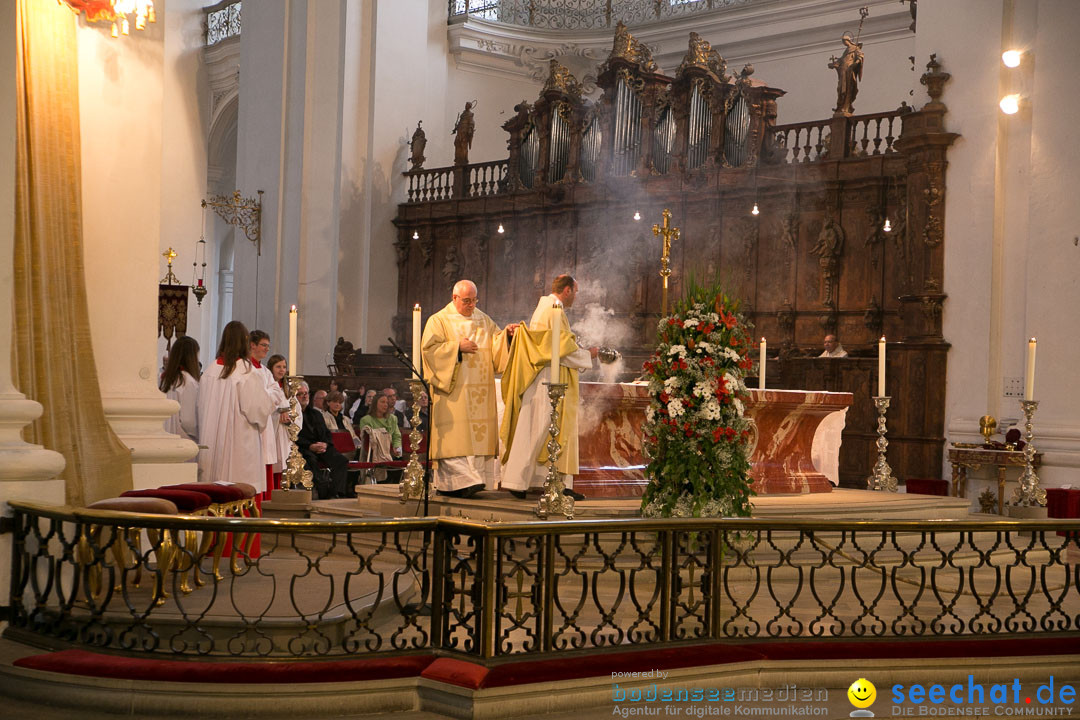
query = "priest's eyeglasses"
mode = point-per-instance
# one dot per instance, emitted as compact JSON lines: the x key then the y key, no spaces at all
{"x":466,"y":301}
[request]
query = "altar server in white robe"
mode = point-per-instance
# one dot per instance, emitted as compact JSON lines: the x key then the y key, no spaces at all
{"x":463,"y":349}
{"x":180,"y":382}
{"x":522,"y":468}
{"x":234,"y":408}
{"x":258,"y":349}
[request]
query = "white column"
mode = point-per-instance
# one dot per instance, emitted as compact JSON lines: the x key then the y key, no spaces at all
{"x":121,"y":132}
{"x":292,"y":67}
{"x":27,"y":472}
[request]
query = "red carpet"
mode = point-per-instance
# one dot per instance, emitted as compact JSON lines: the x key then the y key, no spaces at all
{"x":473,"y":675}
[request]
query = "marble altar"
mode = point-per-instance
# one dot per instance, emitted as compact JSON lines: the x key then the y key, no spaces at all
{"x":796,"y":449}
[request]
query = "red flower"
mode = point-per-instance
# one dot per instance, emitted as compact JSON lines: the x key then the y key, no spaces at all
{"x":716,"y":435}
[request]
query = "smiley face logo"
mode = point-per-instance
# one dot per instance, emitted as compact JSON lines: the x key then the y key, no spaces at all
{"x":862,"y":693}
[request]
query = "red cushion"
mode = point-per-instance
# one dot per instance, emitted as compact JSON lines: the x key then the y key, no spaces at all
{"x":81,"y":662}
{"x":185,"y":500}
{"x":218,"y":493}
{"x":151,"y":505}
{"x":343,"y":441}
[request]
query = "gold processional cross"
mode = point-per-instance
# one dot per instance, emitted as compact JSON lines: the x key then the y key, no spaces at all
{"x":667,"y":234}
{"x":169,"y":278}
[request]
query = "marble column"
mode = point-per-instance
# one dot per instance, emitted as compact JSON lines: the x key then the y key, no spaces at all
{"x":27,"y":472}
{"x":120,"y":115}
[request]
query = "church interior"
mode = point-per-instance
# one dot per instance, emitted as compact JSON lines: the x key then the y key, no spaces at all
{"x":880,"y":188}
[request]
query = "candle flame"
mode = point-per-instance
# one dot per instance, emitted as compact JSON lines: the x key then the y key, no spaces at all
{"x":882,"y":339}
{"x":293,"y":309}
{"x":416,"y":306}
{"x":1033,"y":340}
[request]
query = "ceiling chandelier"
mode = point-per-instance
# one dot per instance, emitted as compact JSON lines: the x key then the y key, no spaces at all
{"x":120,"y":13}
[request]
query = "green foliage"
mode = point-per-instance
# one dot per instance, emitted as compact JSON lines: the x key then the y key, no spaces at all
{"x":696,"y":431}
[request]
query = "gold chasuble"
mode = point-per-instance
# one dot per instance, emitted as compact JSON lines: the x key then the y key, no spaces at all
{"x":463,"y":410}
{"x":530,"y":355}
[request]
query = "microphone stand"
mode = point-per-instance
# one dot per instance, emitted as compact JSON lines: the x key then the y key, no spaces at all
{"x":416,"y":377}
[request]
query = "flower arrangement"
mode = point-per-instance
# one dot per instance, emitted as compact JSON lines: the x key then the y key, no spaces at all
{"x":696,"y":432}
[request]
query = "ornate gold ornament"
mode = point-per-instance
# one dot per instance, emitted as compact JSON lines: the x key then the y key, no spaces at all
{"x":629,"y":48}
{"x":666,"y":233}
{"x":561,"y":80}
{"x":244,"y":213}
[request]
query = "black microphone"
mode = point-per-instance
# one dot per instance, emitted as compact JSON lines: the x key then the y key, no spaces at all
{"x":396,"y":346}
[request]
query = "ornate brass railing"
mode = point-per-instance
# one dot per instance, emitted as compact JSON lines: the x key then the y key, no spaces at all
{"x":339,"y":588}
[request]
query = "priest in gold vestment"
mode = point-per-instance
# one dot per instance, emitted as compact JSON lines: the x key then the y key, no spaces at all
{"x":463,"y":349}
{"x":528,"y":409}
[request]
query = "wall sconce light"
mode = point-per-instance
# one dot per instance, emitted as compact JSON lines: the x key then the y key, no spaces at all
{"x":755,"y":211}
{"x":888,"y":226}
{"x":1012,"y":58}
{"x":1010,"y":104}
{"x":415,"y":235}
{"x":501,"y":230}
{"x":637,"y":216}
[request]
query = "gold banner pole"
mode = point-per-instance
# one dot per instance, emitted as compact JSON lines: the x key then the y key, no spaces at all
{"x":667,"y":234}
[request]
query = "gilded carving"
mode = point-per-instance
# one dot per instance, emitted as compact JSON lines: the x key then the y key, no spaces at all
{"x":629,"y":48}
{"x":561,"y":80}
{"x":829,"y":248}
{"x":701,"y":54}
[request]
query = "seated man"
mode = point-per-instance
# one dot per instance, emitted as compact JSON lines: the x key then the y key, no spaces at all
{"x":316,"y":445}
{"x":833,"y":348}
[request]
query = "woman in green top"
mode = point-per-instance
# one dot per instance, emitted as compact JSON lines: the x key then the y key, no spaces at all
{"x":380,"y":417}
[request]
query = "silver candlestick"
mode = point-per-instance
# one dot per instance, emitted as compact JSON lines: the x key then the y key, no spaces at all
{"x":553,"y":501}
{"x":1029,"y":494}
{"x":412,"y":487}
{"x":882,"y":479}
{"x":294,"y":475}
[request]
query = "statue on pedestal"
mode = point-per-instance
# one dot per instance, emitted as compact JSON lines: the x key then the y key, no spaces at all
{"x":463,"y":135}
{"x":849,"y":72}
{"x":417,"y":146}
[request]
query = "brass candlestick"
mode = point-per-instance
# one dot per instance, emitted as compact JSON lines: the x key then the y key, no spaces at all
{"x":553,"y":501}
{"x":667,"y":234}
{"x":882,"y":479}
{"x":295,"y":474}
{"x":1029,"y":494}
{"x":412,"y":487}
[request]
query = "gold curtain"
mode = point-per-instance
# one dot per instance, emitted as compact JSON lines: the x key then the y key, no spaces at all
{"x":53,"y":355}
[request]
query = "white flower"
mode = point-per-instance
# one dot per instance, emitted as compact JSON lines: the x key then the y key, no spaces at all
{"x":675,"y":408}
{"x":710,"y":410}
{"x":690,"y":322}
{"x":731,"y":354}
{"x":738,"y":405}
{"x":650,"y":414}
{"x":679,"y":350}
{"x":671,"y":385}
{"x":703,"y":388}
{"x":705,"y":348}
{"x":731,"y":381}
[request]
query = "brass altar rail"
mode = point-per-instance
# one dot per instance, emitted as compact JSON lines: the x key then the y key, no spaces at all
{"x":335,"y":588}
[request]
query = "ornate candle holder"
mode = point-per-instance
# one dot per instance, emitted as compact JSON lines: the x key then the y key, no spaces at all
{"x":295,"y":475}
{"x":1029,"y":494}
{"x":882,"y":479}
{"x":553,"y":501}
{"x":412,"y":487}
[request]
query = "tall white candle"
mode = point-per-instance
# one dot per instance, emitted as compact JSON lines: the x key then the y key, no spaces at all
{"x":761,"y":370}
{"x":1029,"y":379}
{"x":417,"y":360}
{"x":292,"y":342}
{"x":556,"y":332}
{"x":881,"y":367}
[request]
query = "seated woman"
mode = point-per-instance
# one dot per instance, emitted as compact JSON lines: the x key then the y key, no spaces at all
{"x":336,"y":419}
{"x":363,"y":406}
{"x":382,"y":421}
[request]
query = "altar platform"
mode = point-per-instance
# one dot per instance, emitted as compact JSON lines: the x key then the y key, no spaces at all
{"x":498,"y":506}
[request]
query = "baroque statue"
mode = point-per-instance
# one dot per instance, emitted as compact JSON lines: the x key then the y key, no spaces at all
{"x":829,"y":246}
{"x":417,"y":145}
{"x":849,"y":73}
{"x":463,"y":135}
